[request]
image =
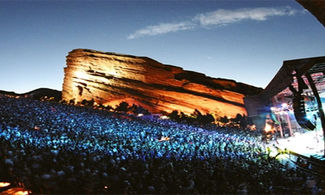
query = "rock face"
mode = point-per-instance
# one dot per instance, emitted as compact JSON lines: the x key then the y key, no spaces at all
{"x":111,"y":78}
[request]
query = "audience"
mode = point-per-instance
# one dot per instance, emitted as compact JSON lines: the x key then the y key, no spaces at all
{"x":56,"y":148}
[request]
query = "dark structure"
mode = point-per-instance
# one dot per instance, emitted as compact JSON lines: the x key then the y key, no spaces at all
{"x":316,"y":7}
{"x":292,"y":98}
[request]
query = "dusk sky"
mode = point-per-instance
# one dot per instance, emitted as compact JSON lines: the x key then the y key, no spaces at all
{"x":242,"y":40}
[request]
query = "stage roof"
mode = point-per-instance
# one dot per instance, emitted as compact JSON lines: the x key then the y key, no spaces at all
{"x":316,"y":7}
{"x":284,"y":76}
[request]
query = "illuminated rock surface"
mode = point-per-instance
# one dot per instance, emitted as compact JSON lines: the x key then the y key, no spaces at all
{"x":111,"y":78}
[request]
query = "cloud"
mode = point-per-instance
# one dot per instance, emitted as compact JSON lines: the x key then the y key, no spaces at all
{"x":223,"y":17}
{"x":215,"y":18}
{"x":161,"y":29}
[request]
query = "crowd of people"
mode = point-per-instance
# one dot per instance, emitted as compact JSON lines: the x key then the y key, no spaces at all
{"x":56,"y":148}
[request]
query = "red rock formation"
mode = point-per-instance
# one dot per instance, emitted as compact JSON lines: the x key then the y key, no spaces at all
{"x":111,"y":78}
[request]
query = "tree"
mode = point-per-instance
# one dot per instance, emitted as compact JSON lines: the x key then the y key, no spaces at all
{"x":122,"y":107}
{"x":72,"y":101}
{"x":138,"y":110}
{"x":174,"y":115}
{"x":133,"y":109}
{"x":224,"y":119}
{"x":243,"y":122}
{"x":208,"y":119}
{"x":84,"y":102}
{"x":197,"y":114}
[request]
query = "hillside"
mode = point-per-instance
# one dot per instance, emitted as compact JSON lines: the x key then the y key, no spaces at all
{"x":35,"y":94}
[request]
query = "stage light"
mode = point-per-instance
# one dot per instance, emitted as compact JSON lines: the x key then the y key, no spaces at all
{"x":4,"y":184}
{"x":268,"y":128}
{"x":309,"y":117}
{"x":284,"y":105}
{"x":164,"y":117}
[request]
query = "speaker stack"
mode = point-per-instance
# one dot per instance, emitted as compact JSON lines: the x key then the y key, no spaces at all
{"x":300,"y":113}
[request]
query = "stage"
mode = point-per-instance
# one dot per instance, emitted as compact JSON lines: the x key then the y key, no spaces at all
{"x":302,"y":150}
{"x":307,"y":144}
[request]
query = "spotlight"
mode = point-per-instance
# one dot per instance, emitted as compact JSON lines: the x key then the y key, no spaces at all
{"x":284,"y":105}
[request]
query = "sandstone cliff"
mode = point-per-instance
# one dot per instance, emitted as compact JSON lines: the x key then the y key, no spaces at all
{"x":111,"y":78}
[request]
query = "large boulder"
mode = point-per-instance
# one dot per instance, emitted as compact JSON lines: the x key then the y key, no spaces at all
{"x":110,"y":78}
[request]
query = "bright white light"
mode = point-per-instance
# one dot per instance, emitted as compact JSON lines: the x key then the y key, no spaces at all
{"x":307,"y":144}
{"x":4,"y":184}
{"x":284,"y":105}
{"x":309,"y":117}
{"x":268,"y":127}
{"x":164,"y":117}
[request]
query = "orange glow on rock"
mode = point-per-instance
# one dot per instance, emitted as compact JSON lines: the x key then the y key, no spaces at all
{"x":110,"y":79}
{"x":80,"y":74}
